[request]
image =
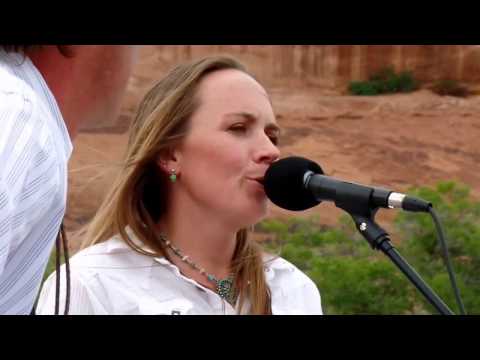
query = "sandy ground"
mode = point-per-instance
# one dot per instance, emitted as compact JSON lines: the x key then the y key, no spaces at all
{"x":393,"y":141}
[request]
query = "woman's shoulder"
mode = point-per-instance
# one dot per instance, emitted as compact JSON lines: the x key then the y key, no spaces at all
{"x":112,"y":254}
{"x":97,"y":272}
{"x":284,"y":270}
{"x":292,"y":290}
{"x":109,"y":278}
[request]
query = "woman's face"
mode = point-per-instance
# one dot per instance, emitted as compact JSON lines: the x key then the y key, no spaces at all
{"x":229,"y":146}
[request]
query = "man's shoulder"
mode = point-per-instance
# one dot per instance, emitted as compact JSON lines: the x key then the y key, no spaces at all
{"x":26,"y":99}
{"x":11,"y":84}
{"x":19,"y":103}
{"x":23,"y":117}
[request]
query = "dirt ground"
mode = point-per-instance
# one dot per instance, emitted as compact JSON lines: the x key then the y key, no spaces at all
{"x":393,"y":141}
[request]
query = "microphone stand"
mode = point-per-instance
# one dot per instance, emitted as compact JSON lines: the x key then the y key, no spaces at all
{"x":379,"y":240}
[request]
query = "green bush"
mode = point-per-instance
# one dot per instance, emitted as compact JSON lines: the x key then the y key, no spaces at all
{"x":385,"y":81}
{"x":460,"y":217}
{"x":50,"y":265}
{"x":359,"y":285}
{"x":450,"y":87}
{"x":365,"y":88}
{"x":354,"y":279}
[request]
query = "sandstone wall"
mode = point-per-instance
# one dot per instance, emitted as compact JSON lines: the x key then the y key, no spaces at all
{"x":336,"y":65}
{"x":328,"y":68}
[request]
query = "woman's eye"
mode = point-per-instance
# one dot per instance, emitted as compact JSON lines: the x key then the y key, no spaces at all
{"x":238,"y":128}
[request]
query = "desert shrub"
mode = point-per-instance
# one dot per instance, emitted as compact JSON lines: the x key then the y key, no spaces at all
{"x":450,"y":87}
{"x":385,"y":81}
{"x":460,"y":216}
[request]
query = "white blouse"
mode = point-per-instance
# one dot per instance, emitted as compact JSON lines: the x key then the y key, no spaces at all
{"x":111,"y":278}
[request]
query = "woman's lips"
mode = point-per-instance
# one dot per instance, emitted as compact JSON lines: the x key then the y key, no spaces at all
{"x":259,"y":179}
{"x":258,"y":183}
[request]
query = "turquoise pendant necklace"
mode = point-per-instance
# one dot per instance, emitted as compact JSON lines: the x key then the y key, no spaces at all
{"x":223,"y":287}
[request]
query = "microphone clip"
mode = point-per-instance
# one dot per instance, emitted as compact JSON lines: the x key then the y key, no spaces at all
{"x":370,"y":230}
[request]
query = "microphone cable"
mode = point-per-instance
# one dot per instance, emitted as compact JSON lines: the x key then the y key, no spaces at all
{"x":446,"y":259}
{"x":59,"y":241}
{"x":62,"y":240}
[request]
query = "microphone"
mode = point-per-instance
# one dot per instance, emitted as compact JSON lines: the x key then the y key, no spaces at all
{"x":295,"y":183}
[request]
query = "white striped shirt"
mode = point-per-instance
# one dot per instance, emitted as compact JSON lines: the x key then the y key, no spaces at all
{"x":34,"y":151}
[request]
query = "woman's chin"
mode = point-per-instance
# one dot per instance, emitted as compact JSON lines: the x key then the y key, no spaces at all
{"x":249,"y":214}
{"x":253,"y":218}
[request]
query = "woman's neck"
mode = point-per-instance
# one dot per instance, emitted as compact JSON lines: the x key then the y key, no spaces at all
{"x":207,"y":242}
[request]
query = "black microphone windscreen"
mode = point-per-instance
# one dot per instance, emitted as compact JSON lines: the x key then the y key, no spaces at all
{"x":284,"y":183}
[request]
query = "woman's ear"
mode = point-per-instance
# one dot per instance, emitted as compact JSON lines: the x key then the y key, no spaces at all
{"x":168,"y":160}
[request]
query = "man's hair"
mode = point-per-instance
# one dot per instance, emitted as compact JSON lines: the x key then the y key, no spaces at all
{"x":63,"y":49}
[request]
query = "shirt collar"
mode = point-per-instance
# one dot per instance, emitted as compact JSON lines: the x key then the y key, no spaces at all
{"x":118,"y":243}
{"x":272,"y":263}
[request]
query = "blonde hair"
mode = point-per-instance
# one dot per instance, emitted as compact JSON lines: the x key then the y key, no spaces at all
{"x":136,"y":198}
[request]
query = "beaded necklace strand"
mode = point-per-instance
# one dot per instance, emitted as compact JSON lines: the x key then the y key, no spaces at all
{"x":223,"y":287}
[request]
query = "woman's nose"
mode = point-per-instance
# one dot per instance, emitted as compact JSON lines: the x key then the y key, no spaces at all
{"x":269,"y":152}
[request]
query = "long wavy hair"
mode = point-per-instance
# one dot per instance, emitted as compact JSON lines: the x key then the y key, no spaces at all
{"x":138,"y":195}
